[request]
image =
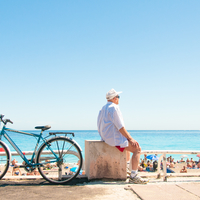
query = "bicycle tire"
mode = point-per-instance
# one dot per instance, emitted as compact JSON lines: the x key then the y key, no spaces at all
{"x":4,"y":159}
{"x":59,"y":172}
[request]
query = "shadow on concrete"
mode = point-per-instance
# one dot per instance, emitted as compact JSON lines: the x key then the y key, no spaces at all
{"x":39,"y":182}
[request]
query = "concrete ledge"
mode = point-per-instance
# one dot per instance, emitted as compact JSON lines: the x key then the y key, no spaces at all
{"x":104,"y":161}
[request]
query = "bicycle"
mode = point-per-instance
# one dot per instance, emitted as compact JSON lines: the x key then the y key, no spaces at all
{"x":54,"y":159}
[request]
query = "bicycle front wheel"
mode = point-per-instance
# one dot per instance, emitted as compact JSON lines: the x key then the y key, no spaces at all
{"x":4,"y":159}
{"x":60,"y":160}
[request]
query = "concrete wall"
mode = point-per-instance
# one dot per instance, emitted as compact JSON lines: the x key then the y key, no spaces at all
{"x":104,"y":161}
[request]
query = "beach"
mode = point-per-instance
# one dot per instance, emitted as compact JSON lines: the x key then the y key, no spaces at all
{"x":146,"y":174}
{"x":173,"y":170}
{"x":178,"y":166}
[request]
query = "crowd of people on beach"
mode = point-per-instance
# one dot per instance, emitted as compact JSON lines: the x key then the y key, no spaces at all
{"x":145,"y":165}
{"x":190,"y":164}
{"x":15,"y":169}
{"x":152,"y":165}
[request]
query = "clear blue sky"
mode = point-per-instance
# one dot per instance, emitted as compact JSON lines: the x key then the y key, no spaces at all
{"x":59,"y":58}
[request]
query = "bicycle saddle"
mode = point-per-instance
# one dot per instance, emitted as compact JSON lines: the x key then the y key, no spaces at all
{"x":43,"y":128}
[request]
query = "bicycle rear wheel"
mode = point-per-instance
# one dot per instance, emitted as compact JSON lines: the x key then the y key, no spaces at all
{"x":4,"y":159}
{"x":60,"y":159}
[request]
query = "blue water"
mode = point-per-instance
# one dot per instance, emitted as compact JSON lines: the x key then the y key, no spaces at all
{"x":148,"y":140}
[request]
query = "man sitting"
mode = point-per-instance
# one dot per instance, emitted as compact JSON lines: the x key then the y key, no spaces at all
{"x":112,"y":131}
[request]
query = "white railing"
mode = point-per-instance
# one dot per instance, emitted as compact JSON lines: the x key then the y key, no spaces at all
{"x":163,"y":157}
{"x":14,"y":153}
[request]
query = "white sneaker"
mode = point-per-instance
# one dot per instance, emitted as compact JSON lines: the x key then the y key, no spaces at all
{"x":138,"y":180}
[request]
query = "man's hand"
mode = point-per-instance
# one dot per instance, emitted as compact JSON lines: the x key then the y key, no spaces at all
{"x":133,"y":142}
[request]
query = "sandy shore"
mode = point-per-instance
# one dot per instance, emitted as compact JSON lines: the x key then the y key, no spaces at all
{"x":179,"y":166}
{"x":22,"y":170}
{"x":176,"y":169}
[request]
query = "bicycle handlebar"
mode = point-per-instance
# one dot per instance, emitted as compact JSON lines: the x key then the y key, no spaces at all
{"x":6,"y":120}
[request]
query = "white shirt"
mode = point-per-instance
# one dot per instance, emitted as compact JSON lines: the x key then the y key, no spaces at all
{"x":109,"y":122}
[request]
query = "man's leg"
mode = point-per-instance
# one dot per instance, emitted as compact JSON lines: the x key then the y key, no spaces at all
{"x":135,"y":157}
{"x":134,"y":177}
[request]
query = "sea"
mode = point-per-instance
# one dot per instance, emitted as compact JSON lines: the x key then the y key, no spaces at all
{"x":148,"y":140}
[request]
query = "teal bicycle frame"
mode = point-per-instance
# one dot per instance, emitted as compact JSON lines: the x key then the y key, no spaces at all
{"x":39,"y":136}
{"x":54,"y":155}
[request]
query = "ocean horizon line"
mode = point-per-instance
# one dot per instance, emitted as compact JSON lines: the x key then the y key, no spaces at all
{"x":127,"y":130}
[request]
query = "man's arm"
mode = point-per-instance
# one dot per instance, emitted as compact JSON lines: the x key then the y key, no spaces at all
{"x":126,"y":134}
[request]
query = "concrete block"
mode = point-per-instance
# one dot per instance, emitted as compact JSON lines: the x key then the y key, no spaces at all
{"x":104,"y":161}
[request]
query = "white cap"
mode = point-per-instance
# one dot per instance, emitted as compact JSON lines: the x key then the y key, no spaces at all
{"x":111,"y":94}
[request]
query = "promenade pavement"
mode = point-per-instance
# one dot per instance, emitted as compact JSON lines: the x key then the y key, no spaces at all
{"x":34,"y":189}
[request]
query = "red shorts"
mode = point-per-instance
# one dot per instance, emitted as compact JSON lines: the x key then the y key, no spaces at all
{"x":120,"y":148}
